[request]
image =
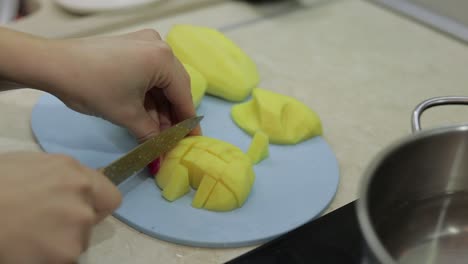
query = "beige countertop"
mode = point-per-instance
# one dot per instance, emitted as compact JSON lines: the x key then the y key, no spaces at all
{"x":362,"y":68}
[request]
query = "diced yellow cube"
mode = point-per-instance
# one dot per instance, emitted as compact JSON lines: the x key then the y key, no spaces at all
{"x":236,"y":179}
{"x":212,"y":165}
{"x":221,"y":199}
{"x":177,"y":153}
{"x":190,"y":160}
{"x":178,"y":184}
{"x":203,"y":192}
{"x":168,"y":167}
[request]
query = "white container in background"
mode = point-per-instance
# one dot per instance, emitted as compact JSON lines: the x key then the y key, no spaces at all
{"x":93,"y":6}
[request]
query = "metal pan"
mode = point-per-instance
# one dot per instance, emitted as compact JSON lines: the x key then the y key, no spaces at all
{"x":413,"y":205}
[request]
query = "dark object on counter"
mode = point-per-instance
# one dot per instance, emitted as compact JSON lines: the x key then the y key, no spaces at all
{"x":332,"y":238}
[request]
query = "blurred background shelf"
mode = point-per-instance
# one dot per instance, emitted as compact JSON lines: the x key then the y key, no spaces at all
{"x":447,"y":16}
{"x":46,"y":18}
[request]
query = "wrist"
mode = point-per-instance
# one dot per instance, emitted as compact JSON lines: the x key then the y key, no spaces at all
{"x":28,"y":60}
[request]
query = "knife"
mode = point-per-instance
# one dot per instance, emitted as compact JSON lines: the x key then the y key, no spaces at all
{"x":143,"y":154}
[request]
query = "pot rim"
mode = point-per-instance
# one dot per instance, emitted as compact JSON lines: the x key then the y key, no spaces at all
{"x":364,"y":222}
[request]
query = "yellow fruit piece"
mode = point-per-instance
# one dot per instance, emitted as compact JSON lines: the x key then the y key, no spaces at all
{"x":258,"y":149}
{"x":190,"y":161}
{"x":284,"y":119}
{"x":237,"y":179}
{"x":212,"y":165}
{"x":220,"y":150}
{"x":221,"y":199}
{"x":270,"y":108}
{"x":198,"y":84}
{"x":169,"y":167}
{"x":179,"y":152}
{"x":230,"y":72}
{"x":203,"y":192}
{"x":251,"y":177}
{"x":222,"y":173}
{"x":178,"y":184}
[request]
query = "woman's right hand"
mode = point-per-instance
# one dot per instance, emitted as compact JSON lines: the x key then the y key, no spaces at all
{"x":49,"y":204}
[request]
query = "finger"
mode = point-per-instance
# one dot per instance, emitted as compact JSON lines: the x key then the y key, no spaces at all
{"x":164,"y":109}
{"x":144,"y":34}
{"x":178,"y":93}
{"x":79,"y":216}
{"x":85,"y":232}
{"x":151,"y":107}
{"x":144,"y":124}
{"x":106,"y":196}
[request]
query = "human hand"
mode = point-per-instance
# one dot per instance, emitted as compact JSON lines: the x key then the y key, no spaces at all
{"x":50,"y":204}
{"x":132,"y":80}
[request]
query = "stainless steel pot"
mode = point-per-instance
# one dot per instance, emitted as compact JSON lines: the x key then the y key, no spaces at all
{"x":413,"y":205}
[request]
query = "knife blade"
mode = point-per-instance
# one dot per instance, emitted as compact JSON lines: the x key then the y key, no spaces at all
{"x":138,"y":158}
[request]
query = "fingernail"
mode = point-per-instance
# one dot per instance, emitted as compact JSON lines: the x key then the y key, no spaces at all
{"x":154,"y":166}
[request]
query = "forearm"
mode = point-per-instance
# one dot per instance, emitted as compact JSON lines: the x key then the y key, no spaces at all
{"x":25,"y":61}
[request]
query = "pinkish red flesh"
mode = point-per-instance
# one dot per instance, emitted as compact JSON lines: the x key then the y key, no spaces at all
{"x":154,"y":166}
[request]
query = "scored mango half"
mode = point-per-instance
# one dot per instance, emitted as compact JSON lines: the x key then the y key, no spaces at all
{"x":222,"y":174}
{"x":284,"y":119}
{"x":198,"y":84}
{"x":231,"y":74}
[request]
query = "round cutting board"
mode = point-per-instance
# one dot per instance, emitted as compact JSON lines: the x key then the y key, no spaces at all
{"x":293,"y":186}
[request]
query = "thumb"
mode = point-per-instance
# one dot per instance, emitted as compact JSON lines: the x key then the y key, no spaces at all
{"x":144,"y":125}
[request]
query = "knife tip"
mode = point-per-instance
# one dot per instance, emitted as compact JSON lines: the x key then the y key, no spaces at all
{"x":193,"y":122}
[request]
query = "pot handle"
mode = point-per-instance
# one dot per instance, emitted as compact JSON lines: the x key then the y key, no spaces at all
{"x":444,"y":100}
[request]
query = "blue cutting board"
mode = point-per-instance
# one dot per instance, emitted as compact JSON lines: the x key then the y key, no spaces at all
{"x":293,"y":186}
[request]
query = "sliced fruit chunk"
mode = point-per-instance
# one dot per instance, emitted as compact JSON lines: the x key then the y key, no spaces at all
{"x":178,"y":152}
{"x":203,"y":192}
{"x":212,"y":165}
{"x":178,"y":184}
{"x":190,"y":160}
{"x":169,"y":167}
{"x":236,"y":179}
{"x":258,"y":149}
{"x":221,"y":199}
